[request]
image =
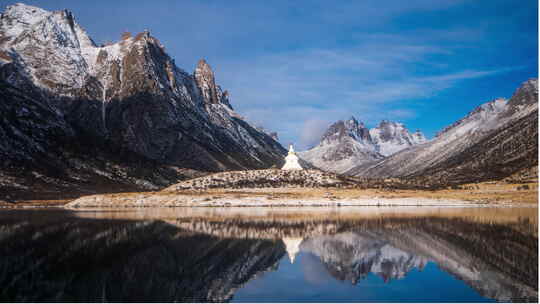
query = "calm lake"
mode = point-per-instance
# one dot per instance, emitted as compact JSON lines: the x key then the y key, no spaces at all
{"x":356,"y":254}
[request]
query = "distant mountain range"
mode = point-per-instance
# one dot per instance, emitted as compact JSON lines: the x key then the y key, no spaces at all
{"x":119,"y":116}
{"x":349,"y":143}
{"x":494,"y":141}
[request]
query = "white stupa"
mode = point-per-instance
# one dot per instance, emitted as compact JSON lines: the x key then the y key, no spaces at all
{"x":291,"y":161}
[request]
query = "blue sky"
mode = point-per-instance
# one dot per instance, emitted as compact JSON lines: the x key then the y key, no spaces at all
{"x":296,"y":66}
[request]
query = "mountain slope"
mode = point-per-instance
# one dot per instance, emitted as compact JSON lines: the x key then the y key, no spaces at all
{"x":128,"y":96}
{"x":44,"y":157}
{"x":493,"y":141}
{"x":349,"y":143}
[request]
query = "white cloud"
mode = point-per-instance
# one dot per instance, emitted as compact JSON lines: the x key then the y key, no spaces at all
{"x":312,"y":131}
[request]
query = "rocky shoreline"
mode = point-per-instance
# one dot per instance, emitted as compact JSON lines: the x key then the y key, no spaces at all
{"x":298,"y":188}
{"x":130,"y":200}
{"x":272,"y":187}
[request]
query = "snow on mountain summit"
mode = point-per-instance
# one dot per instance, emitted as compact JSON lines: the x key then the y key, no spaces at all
{"x":47,"y":46}
{"x":391,"y":137}
{"x":350,"y":128}
{"x":350,"y":143}
{"x":20,"y":17}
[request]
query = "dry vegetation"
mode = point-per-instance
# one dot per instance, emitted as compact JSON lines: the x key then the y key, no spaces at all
{"x":484,"y":192}
{"x":487,"y":192}
{"x":36,"y":203}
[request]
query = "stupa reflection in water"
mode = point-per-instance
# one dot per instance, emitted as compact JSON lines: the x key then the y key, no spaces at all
{"x":209,"y":259}
{"x":292,"y":245}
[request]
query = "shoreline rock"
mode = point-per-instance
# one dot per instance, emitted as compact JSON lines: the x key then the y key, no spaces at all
{"x":145,"y":200}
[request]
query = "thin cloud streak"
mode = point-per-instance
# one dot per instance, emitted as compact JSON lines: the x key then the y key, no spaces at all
{"x":288,"y":92}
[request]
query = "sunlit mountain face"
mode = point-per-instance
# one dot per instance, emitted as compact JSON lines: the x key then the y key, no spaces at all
{"x":259,"y":255}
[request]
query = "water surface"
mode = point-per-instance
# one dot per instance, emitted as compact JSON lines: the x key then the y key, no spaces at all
{"x":351,"y":254}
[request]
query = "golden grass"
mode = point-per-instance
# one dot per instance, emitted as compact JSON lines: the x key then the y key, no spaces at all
{"x":486,"y":192}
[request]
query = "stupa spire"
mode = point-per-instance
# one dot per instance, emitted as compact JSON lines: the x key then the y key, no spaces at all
{"x":291,"y":149}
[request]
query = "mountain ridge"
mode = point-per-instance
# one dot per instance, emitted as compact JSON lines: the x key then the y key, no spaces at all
{"x":493,"y":141}
{"x":347,"y":143}
{"x":129,"y":95}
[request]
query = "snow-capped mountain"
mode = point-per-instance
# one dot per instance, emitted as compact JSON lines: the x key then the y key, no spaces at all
{"x":494,"y":140}
{"x":349,"y":143}
{"x":128,"y":96}
{"x":391,"y":137}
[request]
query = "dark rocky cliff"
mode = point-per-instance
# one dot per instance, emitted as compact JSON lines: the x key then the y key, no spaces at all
{"x":114,"y":108}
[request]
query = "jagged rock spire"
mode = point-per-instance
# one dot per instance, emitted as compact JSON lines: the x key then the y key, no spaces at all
{"x":204,"y":77}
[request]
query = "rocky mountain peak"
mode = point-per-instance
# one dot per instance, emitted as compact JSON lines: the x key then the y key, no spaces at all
{"x":143,"y":35}
{"x":527,"y":93}
{"x":343,"y":144}
{"x":203,"y":67}
{"x":391,"y":137}
{"x":350,"y":143}
{"x":57,"y":26}
{"x":204,"y":77}
{"x":419,"y":137}
{"x":350,"y":128}
{"x":353,"y":123}
{"x":388,"y":130}
{"x":50,"y":47}
{"x":19,"y":17}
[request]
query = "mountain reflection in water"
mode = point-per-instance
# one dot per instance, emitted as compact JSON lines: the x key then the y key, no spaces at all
{"x":207,"y":254}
